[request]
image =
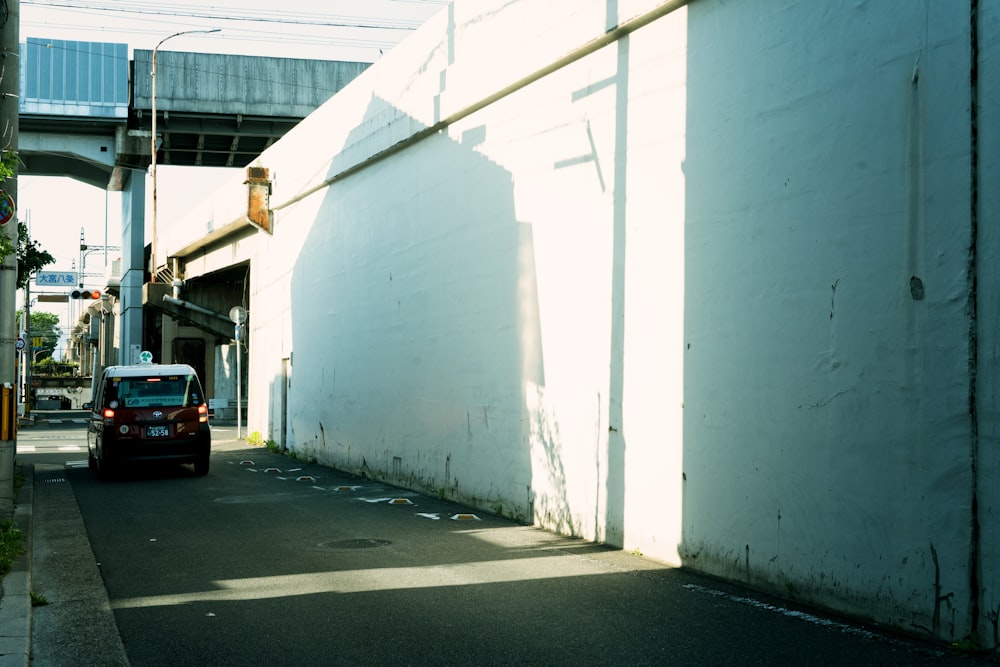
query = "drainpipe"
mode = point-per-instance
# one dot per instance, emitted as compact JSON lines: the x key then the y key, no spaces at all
{"x":973,"y":309}
{"x":195,"y":307}
{"x":176,"y":284}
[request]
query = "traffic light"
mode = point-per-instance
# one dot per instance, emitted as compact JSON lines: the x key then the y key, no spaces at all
{"x":85,"y":294}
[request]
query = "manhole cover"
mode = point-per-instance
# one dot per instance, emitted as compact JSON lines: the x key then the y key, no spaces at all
{"x":356,"y":543}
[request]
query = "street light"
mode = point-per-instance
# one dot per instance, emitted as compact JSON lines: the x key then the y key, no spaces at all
{"x":152,"y":248}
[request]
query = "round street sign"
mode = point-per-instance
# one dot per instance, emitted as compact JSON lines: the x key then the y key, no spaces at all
{"x":20,"y":343}
{"x":7,"y":209}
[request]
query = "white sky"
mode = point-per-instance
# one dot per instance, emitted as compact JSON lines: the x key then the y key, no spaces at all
{"x":57,"y":209}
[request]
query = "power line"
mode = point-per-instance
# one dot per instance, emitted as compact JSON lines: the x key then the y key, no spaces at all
{"x":120,"y":8}
{"x":285,"y":33}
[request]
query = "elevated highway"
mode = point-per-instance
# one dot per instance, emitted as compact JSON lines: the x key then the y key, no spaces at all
{"x":86,"y":113}
{"x":85,"y":107}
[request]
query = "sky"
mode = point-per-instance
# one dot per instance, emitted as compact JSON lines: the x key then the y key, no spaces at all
{"x":59,"y":210}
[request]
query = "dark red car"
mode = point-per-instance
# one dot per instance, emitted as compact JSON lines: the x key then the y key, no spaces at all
{"x":148,"y":413}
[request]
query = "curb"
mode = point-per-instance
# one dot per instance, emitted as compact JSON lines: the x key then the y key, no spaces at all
{"x":15,"y":604}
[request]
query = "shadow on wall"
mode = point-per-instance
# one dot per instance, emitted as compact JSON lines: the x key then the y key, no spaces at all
{"x":413,"y":364}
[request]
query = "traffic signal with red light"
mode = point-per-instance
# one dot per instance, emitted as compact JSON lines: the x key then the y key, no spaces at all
{"x":85,"y":294}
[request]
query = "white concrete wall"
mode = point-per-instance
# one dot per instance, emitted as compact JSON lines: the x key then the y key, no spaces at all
{"x":827,"y":426}
{"x":988,"y":317}
{"x":703,"y":292}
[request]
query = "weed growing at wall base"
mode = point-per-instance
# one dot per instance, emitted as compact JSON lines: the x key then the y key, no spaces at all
{"x":11,"y":545}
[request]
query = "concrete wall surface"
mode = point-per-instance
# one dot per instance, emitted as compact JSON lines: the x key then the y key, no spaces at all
{"x":711,"y":281}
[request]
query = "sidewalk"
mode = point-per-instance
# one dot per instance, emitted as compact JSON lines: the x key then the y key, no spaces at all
{"x":15,"y":589}
{"x":76,"y":626}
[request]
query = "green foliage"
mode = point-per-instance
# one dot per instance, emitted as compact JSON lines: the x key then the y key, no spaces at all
{"x":43,"y":326}
{"x":30,"y":257}
{"x":11,"y":545}
{"x":51,"y":367}
{"x":8,"y":168}
{"x":38,"y":600}
{"x":8,"y":165}
{"x":255,"y":439}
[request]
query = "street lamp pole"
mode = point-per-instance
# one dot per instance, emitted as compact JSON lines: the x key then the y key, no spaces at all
{"x":152,"y":246}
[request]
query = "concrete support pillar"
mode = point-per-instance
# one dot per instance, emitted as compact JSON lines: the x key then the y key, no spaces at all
{"x":9,"y":50}
{"x":133,"y":266}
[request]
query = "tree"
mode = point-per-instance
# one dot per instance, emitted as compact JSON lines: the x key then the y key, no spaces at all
{"x":44,"y":328}
{"x":30,"y":257}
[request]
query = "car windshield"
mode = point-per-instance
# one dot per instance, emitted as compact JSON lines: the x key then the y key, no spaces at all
{"x":155,"y":391}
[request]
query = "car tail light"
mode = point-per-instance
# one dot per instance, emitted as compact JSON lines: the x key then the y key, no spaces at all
{"x":203,"y":413}
{"x":109,"y":413}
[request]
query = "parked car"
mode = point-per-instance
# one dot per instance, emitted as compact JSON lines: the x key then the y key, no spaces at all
{"x":148,"y":413}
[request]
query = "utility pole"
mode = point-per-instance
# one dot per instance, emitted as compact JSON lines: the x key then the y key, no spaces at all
{"x":10,"y":18}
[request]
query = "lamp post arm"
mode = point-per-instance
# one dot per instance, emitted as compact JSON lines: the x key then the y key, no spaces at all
{"x":152,"y":163}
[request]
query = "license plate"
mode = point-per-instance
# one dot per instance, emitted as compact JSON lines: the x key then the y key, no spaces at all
{"x":157,"y":431}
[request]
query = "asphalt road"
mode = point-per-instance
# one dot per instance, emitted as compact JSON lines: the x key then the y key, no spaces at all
{"x":272,"y":561}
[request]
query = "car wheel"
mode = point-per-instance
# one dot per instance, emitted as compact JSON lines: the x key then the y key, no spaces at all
{"x":105,"y":470}
{"x":201,"y":466}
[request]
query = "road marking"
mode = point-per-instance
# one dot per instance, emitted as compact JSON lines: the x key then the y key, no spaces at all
{"x":809,"y":618}
{"x":34,"y":449}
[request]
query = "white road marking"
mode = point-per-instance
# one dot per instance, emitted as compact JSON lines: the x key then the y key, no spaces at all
{"x":809,"y":618}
